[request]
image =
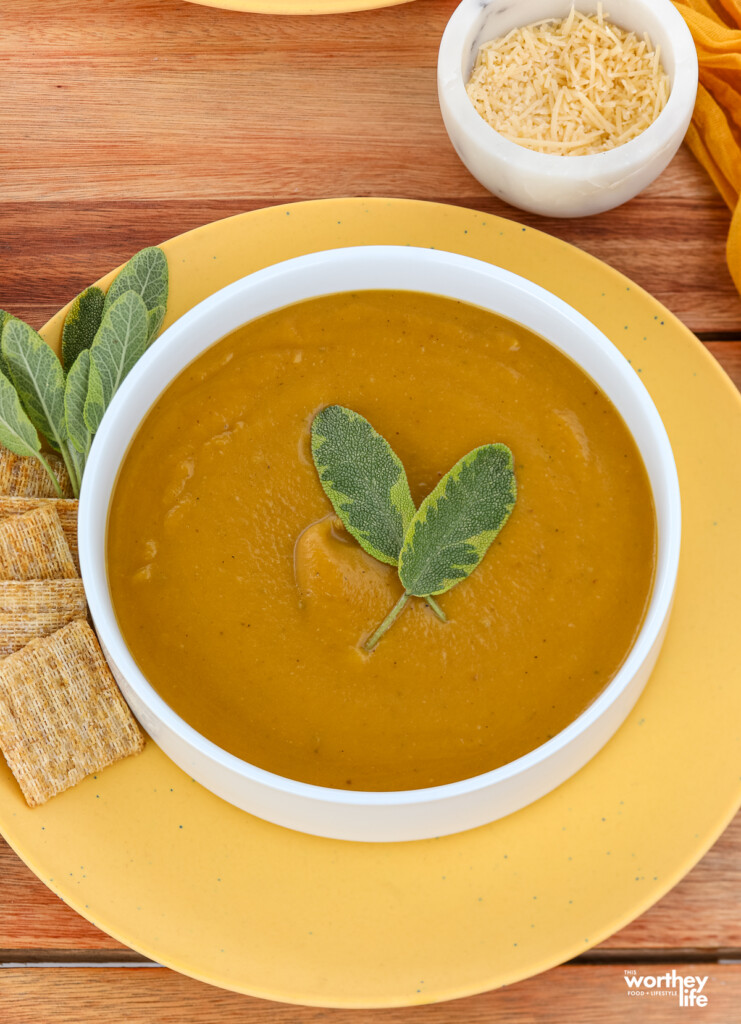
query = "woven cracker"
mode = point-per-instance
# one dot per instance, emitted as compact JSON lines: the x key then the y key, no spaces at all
{"x":30,"y":609}
{"x":66,"y":509}
{"x":26,"y":478}
{"x":33,"y":547}
{"x":62,"y":716}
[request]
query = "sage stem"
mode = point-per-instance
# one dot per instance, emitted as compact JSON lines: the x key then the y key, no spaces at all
{"x":387,"y":622}
{"x":50,"y":473}
{"x":78,"y":463}
{"x":71,"y":468}
{"x":436,"y":608}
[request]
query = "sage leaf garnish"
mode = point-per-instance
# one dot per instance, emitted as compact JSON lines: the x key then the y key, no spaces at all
{"x":155,"y":319}
{"x":4,"y":317}
{"x":38,"y":378}
{"x":17,"y":433}
{"x":81,"y":324}
{"x":102,"y":337}
{"x":94,"y":408}
{"x":77,"y":461}
{"x":16,"y":430}
{"x":364,"y":479}
{"x":119,"y":343}
{"x":75,"y":395}
{"x":455,"y":525}
{"x":146,"y":273}
{"x":433,"y":547}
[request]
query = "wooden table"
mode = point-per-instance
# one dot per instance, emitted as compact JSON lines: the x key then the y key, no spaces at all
{"x":127,"y":122}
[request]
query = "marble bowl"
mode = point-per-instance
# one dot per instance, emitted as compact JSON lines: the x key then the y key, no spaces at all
{"x":564,"y":186}
{"x":407,"y":814}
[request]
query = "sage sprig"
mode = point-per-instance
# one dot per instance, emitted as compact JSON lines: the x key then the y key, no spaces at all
{"x":364,"y":479}
{"x":17,"y":432}
{"x":38,"y":378}
{"x":433,"y":547}
{"x":4,"y":317}
{"x":81,"y":324}
{"x":147,"y":275}
{"x":75,"y":397}
{"x":102,"y":338}
{"x":121,"y":340}
{"x":455,"y":525}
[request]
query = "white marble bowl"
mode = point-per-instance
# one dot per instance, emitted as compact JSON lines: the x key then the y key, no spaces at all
{"x":564,"y":186}
{"x":410,"y":814}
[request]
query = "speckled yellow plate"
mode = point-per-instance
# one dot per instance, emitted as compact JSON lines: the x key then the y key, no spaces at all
{"x":299,"y":6}
{"x":154,"y":859}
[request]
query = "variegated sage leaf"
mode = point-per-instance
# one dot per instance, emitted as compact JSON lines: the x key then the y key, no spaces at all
{"x":455,"y":524}
{"x":146,"y":274}
{"x":81,"y":324}
{"x":119,"y":343}
{"x":75,"y":395}
{"x":364,"y":479}
{"x":38,"y":378}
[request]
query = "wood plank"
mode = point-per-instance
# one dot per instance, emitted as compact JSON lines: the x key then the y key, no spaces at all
{"x":153,"y":995}
{"x":728,"y":354}
{"x":50,"y":251}
{"x":701,"y":912}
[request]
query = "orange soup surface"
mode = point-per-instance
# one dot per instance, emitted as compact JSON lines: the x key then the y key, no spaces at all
{"x":245,"y":603}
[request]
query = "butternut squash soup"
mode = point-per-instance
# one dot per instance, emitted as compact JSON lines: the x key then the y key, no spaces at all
{"x":246,"y":604}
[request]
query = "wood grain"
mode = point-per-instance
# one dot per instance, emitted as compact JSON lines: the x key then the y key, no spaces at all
{"x":152,"y":995}
{"x":728,"y":354}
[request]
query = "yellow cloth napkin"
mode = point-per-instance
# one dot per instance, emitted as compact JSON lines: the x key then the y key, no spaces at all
{"x":714,"y":135}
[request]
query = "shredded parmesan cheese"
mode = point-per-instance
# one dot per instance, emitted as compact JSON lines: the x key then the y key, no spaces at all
{"x":571,"y":87}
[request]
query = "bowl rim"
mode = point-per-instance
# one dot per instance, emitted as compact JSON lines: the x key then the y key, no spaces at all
{"x":658,"y":136}
{"x":94,"y":570}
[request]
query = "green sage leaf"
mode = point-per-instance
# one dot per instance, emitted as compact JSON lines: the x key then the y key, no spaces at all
{"x":119,"y":343}
{"x":76,"y":460}
{"x":16,"y":430}
{"x":455,"y":524}
{"x":4,"y":317}
{"x":364,"y":479}
{"x":155,"y":319}
{"x":75,"y":395}
{"x":38,"y":378}
{"x":94,"y":408}
{"x":146,"y":274}
{"x":81,"y":324}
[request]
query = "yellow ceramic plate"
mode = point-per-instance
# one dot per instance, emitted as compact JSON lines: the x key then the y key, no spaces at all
{"x":299,"y":6}
{"x":154,"y":859}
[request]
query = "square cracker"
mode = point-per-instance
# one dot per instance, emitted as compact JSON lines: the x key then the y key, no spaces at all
{"x":34,"y":608}
{"x":25,"y":476}
{"x":33,"y":547}
{"x":62,"y":717}
{"x":66,"y":509}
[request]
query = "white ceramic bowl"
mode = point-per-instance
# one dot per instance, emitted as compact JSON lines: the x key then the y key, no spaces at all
{"x":563,"y":186}
{"x":413,"y":814}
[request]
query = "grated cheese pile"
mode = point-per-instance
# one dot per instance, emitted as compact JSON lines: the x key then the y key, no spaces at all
{"x":571,"y":87}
